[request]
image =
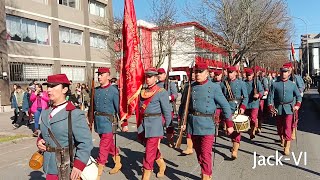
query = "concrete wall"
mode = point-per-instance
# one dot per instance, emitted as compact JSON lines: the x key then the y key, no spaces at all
{"x":4,"y":83}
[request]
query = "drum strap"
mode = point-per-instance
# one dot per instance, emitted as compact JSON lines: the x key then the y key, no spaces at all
{"x":229,"y":89}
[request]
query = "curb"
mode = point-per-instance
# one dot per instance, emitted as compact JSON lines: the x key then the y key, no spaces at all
{"x":14,"y":141}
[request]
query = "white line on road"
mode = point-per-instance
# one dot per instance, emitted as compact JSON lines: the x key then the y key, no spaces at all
{"x":17,"y":150}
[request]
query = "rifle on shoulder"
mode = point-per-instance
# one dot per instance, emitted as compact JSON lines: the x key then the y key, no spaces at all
{"x":186,"y":108}
{"x":91,"y":110}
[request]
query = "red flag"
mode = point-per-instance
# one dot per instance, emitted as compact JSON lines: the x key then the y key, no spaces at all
{"x":292,"y":52}
{"x":131,"y":68}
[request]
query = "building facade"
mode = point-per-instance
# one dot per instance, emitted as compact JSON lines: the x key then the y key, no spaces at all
{"x":43,"y":37}
{"x":312,"y":41}
{"x":183,"y":43}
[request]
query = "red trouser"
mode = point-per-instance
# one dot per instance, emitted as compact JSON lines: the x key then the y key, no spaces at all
{"x":170,"y":129}
{"x":106,"y":146}
{"x":203,"y":147}
{"x":261,"y":114}
{"x":188,"y":135}
{"x":295,"y":124}
{"x":253,"y":114}
{"x":218,"y":115}
{"x":52,"y":177}
{"x":284,"y":126}
{"x":152,"y":152}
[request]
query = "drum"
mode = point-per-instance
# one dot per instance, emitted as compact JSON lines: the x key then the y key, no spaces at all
{"x":241,"y":123}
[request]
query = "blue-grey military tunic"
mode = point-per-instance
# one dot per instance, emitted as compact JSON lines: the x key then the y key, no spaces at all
{"x":159,"y":104}
{"x":253,"y":103}
{"x":106,"y":100}
{"x":204,"y":98}
{"x":172,"y":91}
{"x":239,"y":91}
{"x":282,"y":96}
{"x":298,"y":81}
{"x":82,"y":138}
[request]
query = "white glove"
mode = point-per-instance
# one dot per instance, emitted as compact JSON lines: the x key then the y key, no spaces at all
{"x":169,"y":98}
{"x":301,"y":94}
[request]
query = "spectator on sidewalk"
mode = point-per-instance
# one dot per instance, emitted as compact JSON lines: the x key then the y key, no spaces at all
{"x":11,"y":97}
{"x":39,"y":100}
{"x":20,"y":103}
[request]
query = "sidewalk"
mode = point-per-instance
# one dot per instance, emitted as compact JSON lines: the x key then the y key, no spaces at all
{"x":6,"y":128}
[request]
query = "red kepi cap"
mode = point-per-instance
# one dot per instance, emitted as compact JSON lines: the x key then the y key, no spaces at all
{"x":58,"y":79}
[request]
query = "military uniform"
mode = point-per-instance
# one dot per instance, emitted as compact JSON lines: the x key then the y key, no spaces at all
{"x":155,"y":113}
{"x":204,"y":97}
{"x":253,"y":104}
{"x":173,"y":94}
{"x":218,"y":116}
{"x":56,"y":119}
{"x":297,"y":79}
{"x":106,"y":107}
{"x":240,"y":94}
{"x":281,"y":97}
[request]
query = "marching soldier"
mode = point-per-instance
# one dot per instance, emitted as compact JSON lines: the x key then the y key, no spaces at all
{"x":301,"y":86}
{"x":281,"y":104}
{"x":189,"y":149}
{"x":54,"y":137}
{"x":255,"y":92}
{"x":154,"y":105}
{"x":237,"y":95}
{"x":204,"y":96}
{"x":218,"y":116}
{"x":106,"y":107}
{"x":265,"y":86}
{"x":173,"y":94}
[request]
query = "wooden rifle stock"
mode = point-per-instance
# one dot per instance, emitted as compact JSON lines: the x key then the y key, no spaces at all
{"x":91,"y":110}
{"x":186,"y":111}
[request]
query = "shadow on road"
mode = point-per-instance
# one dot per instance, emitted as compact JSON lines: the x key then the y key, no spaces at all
{"x":36,"y":175}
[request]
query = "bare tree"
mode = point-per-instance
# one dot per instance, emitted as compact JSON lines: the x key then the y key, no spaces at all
{"x":246,"y":25}
{"x":163,"y":14}
{"x":113,"y":39}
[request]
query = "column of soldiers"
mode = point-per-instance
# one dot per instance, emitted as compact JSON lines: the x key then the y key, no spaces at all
{"x":216,"y":96}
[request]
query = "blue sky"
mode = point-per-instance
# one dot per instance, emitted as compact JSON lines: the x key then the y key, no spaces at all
{"x":308,"y":10}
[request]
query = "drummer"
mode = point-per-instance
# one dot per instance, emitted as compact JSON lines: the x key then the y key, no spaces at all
{"x":236,"y":93}
{"x":254,"y":100}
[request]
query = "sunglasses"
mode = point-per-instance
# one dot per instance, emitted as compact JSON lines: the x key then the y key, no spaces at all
{"x":230,"y":71}
{"x":52,"y":85}
{"x":199,"y":71}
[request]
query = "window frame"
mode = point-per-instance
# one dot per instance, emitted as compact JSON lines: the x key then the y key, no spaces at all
{"x":99,"y":5}
{"x":70,"y":35}
{"x":35,"y":23}
{"x":67,"y":3}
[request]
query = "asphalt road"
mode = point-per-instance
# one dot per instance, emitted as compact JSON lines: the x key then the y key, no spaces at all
{"x":14,"y":156}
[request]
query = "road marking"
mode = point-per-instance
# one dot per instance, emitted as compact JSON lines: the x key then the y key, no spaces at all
{"x":16,"y":162}
{"x":17,"y":150}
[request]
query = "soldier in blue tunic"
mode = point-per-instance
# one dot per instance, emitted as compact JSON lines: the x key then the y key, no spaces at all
{"x":254,"y":100}
{"x":173,"y":94}
{"x":106,"y":107}
{"x":237,"y":95}
{"x":55,"y":118}
{"x":297,"y":79}
{"x":155,"y":113}
{"x":204,"y":96}
{"x":282,"y":104}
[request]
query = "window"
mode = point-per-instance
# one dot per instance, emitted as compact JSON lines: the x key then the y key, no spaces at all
{"x":70,"y":3}
{"x":97,"y":41}
{"x":71,"y":36}
{"x":97,"y":8}
{"x":41,"y":1}
{"x":25,"y":72}
{"x":74,"y":73}
{"x":26,"y":30}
